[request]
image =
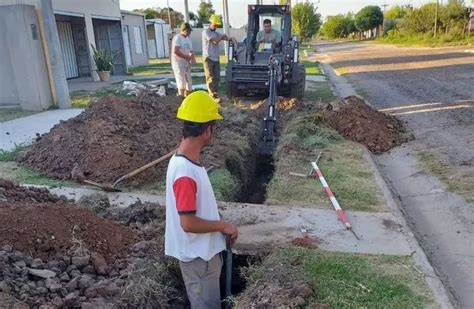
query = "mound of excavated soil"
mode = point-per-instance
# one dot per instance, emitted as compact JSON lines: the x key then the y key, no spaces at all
{"x":360,"y":123}
{"x":48,"y":226}
{"x":111,"y":138}
{"x":117,"y":135}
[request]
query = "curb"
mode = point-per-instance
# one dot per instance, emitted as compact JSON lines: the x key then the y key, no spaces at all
{"x":440,"y":292}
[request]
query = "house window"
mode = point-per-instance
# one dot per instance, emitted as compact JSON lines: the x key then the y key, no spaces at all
{"x":138,"y":40}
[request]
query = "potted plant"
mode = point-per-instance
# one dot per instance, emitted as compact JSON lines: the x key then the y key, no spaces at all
{"x":104,"y":60}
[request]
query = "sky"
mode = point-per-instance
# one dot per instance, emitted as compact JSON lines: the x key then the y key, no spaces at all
{"x":238,"y":11}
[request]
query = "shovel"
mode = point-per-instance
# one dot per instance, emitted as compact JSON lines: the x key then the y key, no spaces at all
{"x":143,"y":168}
{"x":101,"y":186}
{"x":228,"y":273}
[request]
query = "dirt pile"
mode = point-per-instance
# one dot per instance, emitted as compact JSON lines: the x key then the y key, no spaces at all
{"x":360,"y":123}
{"x":117,"y":135}
{"x":112,"y":137}
{"x":54,"y":227}
{"x":71,"y":258}
{"x":12,"y":193}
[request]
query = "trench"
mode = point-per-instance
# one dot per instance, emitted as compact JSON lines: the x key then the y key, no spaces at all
{"x":257,"y":186}
{"x":239,"y":282}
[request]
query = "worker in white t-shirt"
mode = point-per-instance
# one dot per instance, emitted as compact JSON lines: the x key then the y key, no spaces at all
{"x":194,"y":229}
{"x":182,"y":57}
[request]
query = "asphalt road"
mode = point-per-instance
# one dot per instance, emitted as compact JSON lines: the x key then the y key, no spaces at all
{"x":432,"y":91}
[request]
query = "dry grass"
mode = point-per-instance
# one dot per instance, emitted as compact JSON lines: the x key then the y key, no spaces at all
{"x":153,"y":283}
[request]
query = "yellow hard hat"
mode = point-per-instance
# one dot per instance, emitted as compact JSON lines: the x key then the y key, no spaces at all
{"x":199,"y":107}
{"x":216,"y":20}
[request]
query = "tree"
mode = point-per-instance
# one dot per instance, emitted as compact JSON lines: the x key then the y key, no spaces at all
{"x":176,"y":17}
{"x":204,"y":12}
{"x":419,"y":20}
{"x":369,"y":18}
{"x":453,"y":15}
{"x":339,"y":26}
{"x":306,"y":20}
{"x":396,"y":12}
{"x":150,"y":13}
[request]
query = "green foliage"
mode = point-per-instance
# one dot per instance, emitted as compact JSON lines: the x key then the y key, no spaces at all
{"x":397,"y":11}
{"x":453,"y":15}
{"x":306,"y":20}
{"x":11,"y":155}
{"x":419,"y":20}
{"x":103,"y":58}
{"x":204,"y":12}
{"x":368,"y":18}
{"x":283,"y":2}
{"x":339,"y":26}
{"x":176,"y":17}
{"x":226,"y":186}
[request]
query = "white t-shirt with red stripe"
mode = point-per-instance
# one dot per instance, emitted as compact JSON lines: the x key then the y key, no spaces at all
{"x":189,"y":191}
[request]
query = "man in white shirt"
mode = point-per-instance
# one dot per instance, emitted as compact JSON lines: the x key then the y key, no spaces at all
{"x":194,"y":229}
{"x":182,"y":57}
{"x":210,"y":54}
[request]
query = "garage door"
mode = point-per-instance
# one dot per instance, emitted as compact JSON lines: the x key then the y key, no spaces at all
{"x":66,"y":41}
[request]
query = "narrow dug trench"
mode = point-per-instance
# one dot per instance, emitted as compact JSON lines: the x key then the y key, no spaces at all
{"x":240,"y":262}
{"x":257,"y":191}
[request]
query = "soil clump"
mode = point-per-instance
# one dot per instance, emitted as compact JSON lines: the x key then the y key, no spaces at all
{"x":359,"y":122}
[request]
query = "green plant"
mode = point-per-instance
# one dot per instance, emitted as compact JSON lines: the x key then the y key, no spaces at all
{"x":11,"y":155}
{"x":368,"y":18}
{"x":103,"y":58}
{"x":306,"y":20}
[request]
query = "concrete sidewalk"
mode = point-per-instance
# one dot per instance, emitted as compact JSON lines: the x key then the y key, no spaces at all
{"x":380,"y":233}
{"x":25,"y":130}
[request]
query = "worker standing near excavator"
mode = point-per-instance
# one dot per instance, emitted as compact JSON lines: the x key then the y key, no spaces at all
{"x":182,"y":58}
{"x":194,"y":229}
{"x":210,"y":54}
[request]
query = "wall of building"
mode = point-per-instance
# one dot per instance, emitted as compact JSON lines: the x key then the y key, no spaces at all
{"x":131,"y":21}
{"x":158,"y":45}
{"x":24,"y":77}
{"x":87,"y":9}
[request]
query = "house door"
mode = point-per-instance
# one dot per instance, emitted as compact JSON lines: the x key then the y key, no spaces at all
{"x":126,"y":44}
{"x":68,"y":52}
{"x":108,"y":35}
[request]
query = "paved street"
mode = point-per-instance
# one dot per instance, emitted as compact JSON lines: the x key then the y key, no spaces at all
{"x":432,"y":91}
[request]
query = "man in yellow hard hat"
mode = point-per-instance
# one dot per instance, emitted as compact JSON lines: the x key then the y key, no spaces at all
{"x":194,"y":229}
{"x":210,"y":54}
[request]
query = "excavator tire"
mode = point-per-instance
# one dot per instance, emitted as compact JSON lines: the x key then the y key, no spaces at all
{"x":298,"y":82}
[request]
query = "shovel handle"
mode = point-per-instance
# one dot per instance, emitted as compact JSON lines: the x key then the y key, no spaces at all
{"x":228,"y":274}
{"x":144,"y":167}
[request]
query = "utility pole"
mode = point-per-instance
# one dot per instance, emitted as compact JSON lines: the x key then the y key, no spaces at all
{"x":436,"y":18}
{"x":383,"y":20}
{"x":169,"y":14}
{"x":225,"y":6}
{"x":186,"y":11}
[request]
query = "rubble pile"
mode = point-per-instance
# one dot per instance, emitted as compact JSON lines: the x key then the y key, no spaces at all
{"x":56,"y":254}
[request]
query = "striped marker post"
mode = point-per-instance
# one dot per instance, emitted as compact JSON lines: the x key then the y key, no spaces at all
{"x":340,"y":213}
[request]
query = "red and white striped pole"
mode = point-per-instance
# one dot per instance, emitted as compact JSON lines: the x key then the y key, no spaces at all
{"x":339,"y":211}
